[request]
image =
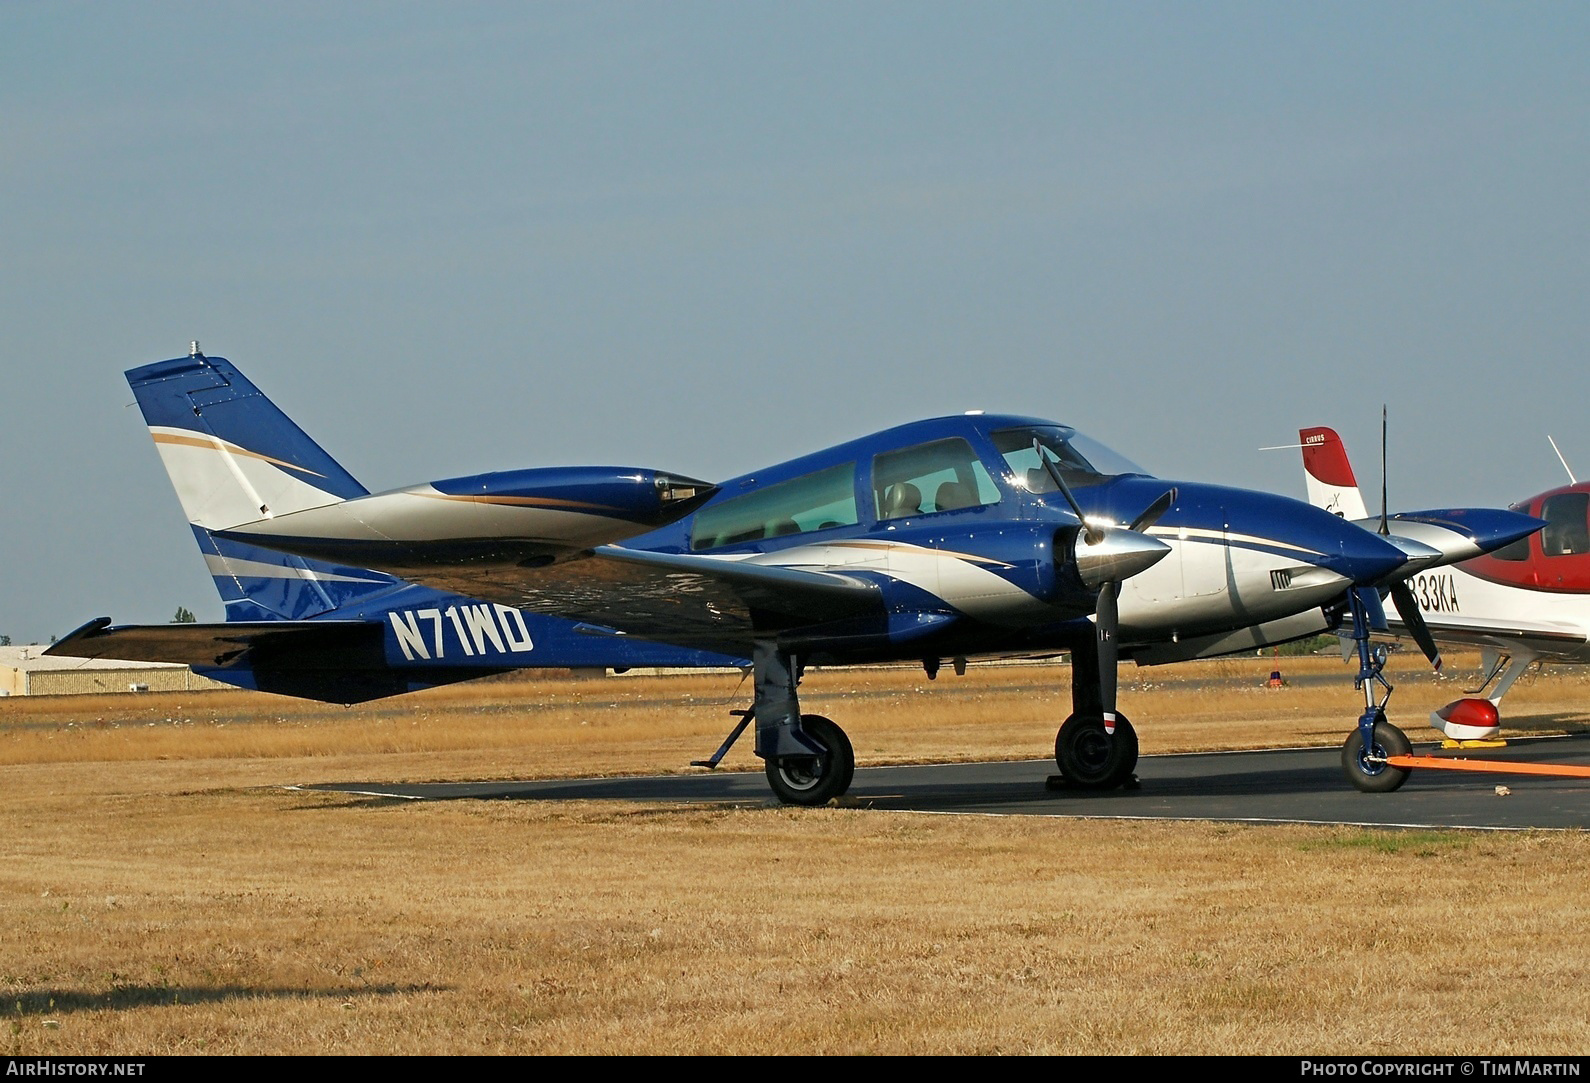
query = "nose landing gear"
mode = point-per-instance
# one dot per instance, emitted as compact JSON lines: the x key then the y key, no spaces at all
{"x":1367,"y":748}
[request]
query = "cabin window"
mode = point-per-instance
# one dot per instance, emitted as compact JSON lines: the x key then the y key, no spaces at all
{"x":945,"y":475}
{"x":1567,"y":529}
{"x":819,"y":501}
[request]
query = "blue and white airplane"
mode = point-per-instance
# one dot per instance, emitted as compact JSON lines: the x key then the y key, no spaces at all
{"x":954,"y":538}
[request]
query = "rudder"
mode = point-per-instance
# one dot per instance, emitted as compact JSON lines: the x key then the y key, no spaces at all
{"x":1329,"y":474}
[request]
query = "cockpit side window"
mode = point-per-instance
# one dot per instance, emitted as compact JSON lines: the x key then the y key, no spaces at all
{"x":819,"y":501}
{"x":1016,"y":445}
{"x":1567,"y":529}
{"x":944,"y":475}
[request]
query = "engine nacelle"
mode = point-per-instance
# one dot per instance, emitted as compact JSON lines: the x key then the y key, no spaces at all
{"x":1457,"y":533}
{"x":518,"y":515}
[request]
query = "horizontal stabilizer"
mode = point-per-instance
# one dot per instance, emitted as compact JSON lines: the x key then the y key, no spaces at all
{"x":301,"y":644}
{"x":330,"y":661}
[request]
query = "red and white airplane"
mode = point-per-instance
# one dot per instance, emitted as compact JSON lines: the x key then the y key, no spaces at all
{"x":1526,"y":603}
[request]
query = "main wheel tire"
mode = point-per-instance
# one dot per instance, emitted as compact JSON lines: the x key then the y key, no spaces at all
{"x":1366,"y":770}
{"x":815,"y":780}
{"x":1091,"y":759}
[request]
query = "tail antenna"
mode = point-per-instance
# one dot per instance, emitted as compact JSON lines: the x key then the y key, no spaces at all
{"x":1385,"y":528}
{"x":1571,"y":479}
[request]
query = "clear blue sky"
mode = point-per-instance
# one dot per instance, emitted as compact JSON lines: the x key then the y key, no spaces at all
{"x":708,"y":236}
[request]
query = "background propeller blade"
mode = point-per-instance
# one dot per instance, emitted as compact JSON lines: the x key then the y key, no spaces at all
{"x":1402,"y":594}
{"x":1413,"y":619}
{"x":1151,"y":514}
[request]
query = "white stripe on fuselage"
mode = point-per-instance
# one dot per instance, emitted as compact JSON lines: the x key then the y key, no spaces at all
{"x":965,"y":581}
{"x":1223,"y":537}
{"x":237,"y":568}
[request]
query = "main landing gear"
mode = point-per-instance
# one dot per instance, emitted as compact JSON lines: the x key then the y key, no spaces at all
{"x":818,"y":778}
{"x":809,"y":759}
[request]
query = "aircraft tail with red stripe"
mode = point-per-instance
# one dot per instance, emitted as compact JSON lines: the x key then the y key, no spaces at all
{"x":1331,"y":482}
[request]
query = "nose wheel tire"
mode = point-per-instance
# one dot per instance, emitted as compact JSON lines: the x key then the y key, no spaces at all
{"x":815,"y":780}
{"x":1367,"y":769}
{"x":1091,"y":759}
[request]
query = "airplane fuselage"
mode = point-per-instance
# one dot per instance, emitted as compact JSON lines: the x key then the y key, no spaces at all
{"x":1000,"y":575}
{"x":987,"y":564}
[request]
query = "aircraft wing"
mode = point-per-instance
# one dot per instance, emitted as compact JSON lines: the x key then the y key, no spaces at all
{"x":686,"y":599}
{"x":706,"y":602}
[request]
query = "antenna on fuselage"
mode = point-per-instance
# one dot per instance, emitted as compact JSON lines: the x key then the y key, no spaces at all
{"x":1401,"y":593}
{"x":1571,"y":479}
{"x":1385,"y":529}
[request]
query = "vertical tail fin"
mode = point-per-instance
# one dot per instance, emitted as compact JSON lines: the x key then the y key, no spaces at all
{"x":235,"y":458}
{"x":1331,"y":482}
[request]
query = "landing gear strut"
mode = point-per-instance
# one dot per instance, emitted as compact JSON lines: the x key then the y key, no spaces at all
{"x":1089,"y":757}
{"x":1367,"y":748}
{"x":809,"y":759}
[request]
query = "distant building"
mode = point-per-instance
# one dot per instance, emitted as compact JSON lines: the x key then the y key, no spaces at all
{"x":28,"y":671}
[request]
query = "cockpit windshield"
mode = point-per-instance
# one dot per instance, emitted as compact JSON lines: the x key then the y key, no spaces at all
{"x":1082,"y":460}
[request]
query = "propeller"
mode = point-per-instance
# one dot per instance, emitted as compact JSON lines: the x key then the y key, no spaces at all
{"x":1132,"y":559}
{"x":1401,"y":593}
{"x":1413,"y":619}
{"x":1108,"y":621}
{"x":1150,"y":515}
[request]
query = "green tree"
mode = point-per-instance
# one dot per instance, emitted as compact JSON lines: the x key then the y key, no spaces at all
{"x":184,"y":616}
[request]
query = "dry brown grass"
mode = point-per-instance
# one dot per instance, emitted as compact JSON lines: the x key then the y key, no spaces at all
{"x":161,"y":893}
